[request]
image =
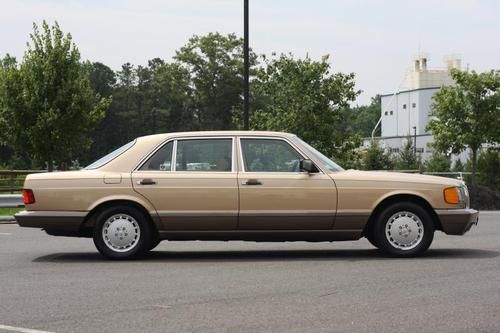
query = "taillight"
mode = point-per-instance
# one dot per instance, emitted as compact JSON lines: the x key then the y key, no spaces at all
{"x":28,"y":197}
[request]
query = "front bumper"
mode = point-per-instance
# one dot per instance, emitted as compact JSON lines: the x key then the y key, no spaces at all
{"x":457,"y":221}
{"x":54,"y":222}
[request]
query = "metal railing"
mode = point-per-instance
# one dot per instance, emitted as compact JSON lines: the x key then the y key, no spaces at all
{"x":11,"y":201}
{"x":12,"y":180}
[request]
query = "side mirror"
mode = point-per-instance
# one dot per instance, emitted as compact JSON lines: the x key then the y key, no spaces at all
{"x":308,"y":165}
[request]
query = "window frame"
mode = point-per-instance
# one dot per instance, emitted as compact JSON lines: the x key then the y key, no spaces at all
{"x":151,"y":154}
{"x":174,"y":154}
{"x":291,"y":144}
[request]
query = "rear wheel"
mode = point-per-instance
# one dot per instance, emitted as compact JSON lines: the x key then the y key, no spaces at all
{"x":122,"y":232}
{"x":404,"y":229}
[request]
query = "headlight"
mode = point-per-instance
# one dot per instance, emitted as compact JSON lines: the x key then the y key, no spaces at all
{"x":457,"y":195}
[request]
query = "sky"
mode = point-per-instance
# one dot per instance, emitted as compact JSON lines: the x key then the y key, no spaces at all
{"x":374,"y":39}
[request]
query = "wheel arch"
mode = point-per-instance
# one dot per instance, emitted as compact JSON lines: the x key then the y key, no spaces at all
{"x":401,"y":197}
{"x":90,"y":220}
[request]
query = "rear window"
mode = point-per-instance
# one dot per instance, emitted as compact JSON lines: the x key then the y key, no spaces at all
{"x":111,"y":156}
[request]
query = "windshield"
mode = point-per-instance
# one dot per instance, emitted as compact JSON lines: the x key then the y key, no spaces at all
{"x":330,"y":165}
{"x":114,"y":154}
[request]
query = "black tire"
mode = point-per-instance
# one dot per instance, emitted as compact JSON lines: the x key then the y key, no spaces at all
{"x":142,"y":241}
{"x":371,"y":238}
{"x":154,"y":243}
{"x":396,"y":214}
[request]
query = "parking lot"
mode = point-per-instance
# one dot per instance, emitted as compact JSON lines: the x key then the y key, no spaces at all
{"x":63,"y":285}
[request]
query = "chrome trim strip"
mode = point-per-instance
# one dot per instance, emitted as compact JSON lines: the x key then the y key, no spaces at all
{"x":287,"y":213}
{"x":354,"y":212}
{"x":207,"y":213}
{"x":456,"y":211}
{"x":174,"y":157}
{"x":51,"y":213}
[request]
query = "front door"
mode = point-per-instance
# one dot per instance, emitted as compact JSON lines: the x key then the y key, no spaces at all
{"x":276,"y":194}
{"x":192,"y":183}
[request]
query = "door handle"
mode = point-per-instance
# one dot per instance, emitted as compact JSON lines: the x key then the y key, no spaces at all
{"x":251,"y":182}
{"x":146,"y":181}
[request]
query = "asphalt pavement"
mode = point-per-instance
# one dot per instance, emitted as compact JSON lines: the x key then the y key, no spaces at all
{"x":56,"y":284}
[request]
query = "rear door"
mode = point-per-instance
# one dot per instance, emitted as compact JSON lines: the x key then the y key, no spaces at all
{"x":192,"y":183}
{"x":276,"y":194}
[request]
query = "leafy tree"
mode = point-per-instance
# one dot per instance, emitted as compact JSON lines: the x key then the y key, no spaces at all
{"x":302,"y":96}
{"x":365,"y":117}
{"x":102,"y":78}
{"x":407,"y":159}
{"x":488,"y":166}
{"x":47,"y":100}
{"x":107,"y":133}
{"x":467,"y":114}
{"x":377,"y":158}
{"x":215,"y":65}
{"x":172,"y":108}
{"x":458,"y":166}
{"x":438,"y":162}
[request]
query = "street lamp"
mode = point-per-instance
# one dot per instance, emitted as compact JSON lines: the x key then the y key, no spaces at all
{"x":245,"y":64}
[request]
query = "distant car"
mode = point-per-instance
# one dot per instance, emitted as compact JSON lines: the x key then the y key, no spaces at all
{"x":239,"y":185}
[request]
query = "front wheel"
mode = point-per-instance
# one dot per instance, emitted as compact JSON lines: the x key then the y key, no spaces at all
{"x":122,"y":232}
{"x":404,"y":229}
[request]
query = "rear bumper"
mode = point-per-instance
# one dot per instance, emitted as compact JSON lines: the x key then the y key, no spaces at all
{"x":54,"y":222}
{"x":457,"y":221}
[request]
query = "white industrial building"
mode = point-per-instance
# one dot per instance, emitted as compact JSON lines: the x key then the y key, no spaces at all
{"x":406,"y":113}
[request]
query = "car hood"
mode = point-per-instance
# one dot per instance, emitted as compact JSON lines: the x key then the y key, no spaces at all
{"x":386,"y":176}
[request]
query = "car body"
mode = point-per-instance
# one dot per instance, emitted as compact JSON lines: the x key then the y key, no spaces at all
{"x":240,"y":185}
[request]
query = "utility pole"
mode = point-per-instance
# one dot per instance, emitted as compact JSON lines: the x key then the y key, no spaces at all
{"x":246,"y":65}
{"x":415,"y":140}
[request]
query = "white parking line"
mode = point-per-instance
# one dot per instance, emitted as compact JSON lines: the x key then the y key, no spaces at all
{"x":5,"y":234}
{"x":21,"y":329}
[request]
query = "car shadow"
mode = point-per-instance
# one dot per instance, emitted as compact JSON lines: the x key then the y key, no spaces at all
{"x":271,"y":255}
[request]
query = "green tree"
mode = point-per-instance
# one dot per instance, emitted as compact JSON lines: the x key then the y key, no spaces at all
{"x":48,"y":101}
{"x":377,"y":158}
{"x":214,"y":63}
{"x":107,"y":134}
{"x":458,"y":166}
{"x":488,"y":166}
{"x":407,"y":159}
{"x":365,"y":117}
{"x":438,"y":162}
{"x":302,"y":96}
{"x":172,"y":108}
{"x":467,"y":114}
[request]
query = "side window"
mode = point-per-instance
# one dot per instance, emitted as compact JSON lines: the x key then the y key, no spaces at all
{"x":269,"y":155}
{"x":204,"y":155}
{"x":161,"y":160}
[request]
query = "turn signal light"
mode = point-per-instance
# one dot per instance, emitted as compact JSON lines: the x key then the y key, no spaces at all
{"x":28,"y":197}
{"x":451,"y":195}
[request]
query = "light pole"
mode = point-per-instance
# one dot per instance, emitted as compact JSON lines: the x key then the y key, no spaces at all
{"x":245,"y":65}
{"x":415,"y":140}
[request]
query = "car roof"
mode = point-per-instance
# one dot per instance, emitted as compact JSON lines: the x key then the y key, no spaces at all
{"x":220,"y":133}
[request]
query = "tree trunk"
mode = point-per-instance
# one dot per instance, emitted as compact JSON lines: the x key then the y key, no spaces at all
{"x":50,"y":164}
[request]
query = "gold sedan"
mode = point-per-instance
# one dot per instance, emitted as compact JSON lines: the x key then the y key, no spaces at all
{"x":239,"y":185}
